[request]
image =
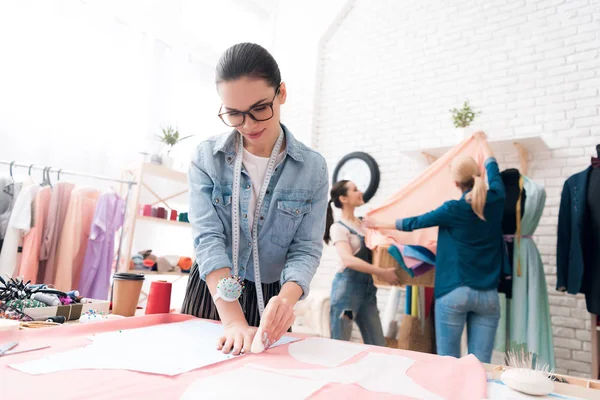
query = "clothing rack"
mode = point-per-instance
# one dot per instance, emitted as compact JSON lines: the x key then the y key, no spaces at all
{"x":47,"y":170}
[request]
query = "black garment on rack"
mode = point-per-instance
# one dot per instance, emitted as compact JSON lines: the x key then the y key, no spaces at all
{"x":511,"y":178}
{"x":591,"y":246}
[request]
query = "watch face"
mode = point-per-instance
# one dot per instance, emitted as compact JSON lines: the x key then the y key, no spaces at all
{"x":357,"y":171}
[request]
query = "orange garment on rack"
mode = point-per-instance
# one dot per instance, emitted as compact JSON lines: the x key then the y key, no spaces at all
{"x":30,"y":259}
{"x":427,"y":192}
{"x":74,"y":237}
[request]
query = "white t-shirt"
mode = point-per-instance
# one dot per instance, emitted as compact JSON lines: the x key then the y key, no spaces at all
{"x":256,"y":167}
{"x":19,"y":224}
{"x":339,"y":233}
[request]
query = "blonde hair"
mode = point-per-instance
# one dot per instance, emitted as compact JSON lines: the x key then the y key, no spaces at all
{"x":466,"y":173}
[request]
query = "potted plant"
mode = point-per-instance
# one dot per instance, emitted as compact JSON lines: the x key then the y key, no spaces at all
{"x":169,"y":138}
{"x":462,"y":119}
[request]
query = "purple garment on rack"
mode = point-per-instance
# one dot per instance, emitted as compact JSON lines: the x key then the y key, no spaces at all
{"x":97,"y":265}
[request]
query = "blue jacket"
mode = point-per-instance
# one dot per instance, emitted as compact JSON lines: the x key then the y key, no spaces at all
{"x":292,"y":222}
{"x":571,"y":218}
{"x":470,"y":252}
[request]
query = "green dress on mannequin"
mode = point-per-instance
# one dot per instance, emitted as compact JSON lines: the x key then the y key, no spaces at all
{"x":530,"y":324}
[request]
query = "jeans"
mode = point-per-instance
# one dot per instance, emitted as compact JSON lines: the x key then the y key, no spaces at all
{"x":479,"y":309}
{"x":353,"y":299}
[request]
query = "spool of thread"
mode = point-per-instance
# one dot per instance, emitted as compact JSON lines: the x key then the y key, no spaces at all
{"x":159,"y":298}
{"x":154,"y":211}
{"x":59,"y":319}
{"x":147,"y":210}
{"x":65,"y":301}
{"x":84,"y":300}
{"x":173,"y":215}
{"x":161,"y":212}
{"x":185,"y":263}
{"x":48,"y":299}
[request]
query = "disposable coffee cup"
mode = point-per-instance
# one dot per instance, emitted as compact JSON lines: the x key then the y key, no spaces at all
{"x":126,"y":293}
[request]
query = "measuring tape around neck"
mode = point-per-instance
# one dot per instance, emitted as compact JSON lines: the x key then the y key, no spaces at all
{"x":235,"y":211}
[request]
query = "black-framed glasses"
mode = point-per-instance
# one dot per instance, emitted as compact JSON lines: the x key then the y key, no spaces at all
{"x":259,"y":113}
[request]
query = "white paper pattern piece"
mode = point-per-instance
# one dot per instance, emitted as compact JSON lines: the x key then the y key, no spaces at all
{"x":167,"y":349}
{"x":253,"y":384}
{"x":496,"y":390}
{"x":324,"y":352}
{"x":375,"y":372}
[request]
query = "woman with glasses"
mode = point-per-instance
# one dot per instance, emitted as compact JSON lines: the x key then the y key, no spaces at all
{"x":257,"y":208}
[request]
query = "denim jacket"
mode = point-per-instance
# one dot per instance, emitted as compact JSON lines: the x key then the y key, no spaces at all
{"x":292,"y":219}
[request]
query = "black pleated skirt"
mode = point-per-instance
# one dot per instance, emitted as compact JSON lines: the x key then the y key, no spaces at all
{"x":199,"y":302}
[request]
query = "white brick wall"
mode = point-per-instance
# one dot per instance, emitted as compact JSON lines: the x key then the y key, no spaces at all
{"x":392,"y":70}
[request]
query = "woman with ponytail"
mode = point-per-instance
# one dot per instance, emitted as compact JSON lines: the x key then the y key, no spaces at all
{"x":470,"y":256}
{"x":353,"y":294}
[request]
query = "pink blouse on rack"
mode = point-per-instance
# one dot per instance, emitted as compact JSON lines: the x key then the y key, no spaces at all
{"x":57,"y":211}
{"x":30,"y":258}
{"x":74,"y":237}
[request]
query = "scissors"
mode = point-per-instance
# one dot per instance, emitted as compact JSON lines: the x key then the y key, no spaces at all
{"x":4,"y":349}
{"x":7,"y":346}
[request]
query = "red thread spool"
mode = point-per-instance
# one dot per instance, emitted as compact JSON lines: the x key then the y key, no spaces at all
{"x":161,"y":213}
{"x":159,"y":298}
{"x":147,"y":210}
{"x":173,"y":215}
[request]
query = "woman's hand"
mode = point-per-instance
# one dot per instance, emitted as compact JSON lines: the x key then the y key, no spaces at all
{"x":238,"y":336}
{"x":480,"y":135}
{"x":277,"y":318}
{"x":389,"y":275}
{"x":371,"y":223}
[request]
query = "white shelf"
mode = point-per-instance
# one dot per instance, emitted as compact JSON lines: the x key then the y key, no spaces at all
{"x":162,"y":221}
{"x":531,"y":144}
{"x":164,"y":172}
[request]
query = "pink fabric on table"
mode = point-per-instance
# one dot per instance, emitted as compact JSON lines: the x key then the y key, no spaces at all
{"x":426,"y":193}
{"x":463,"y":379}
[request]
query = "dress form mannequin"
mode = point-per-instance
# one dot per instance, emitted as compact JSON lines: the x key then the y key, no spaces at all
{"x":591,"y":277}
{"x":511,"y":178}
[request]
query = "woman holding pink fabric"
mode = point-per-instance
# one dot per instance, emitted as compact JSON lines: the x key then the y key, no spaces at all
{"x":470,"y":256}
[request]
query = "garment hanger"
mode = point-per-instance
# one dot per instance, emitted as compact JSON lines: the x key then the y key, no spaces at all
{"x":12,"y":178}
{"x":58,"y":175}
{"x":48,"y":176}
{"x":44,"y":183}
{"x":31,"y":166}
{"x":598,"y":150}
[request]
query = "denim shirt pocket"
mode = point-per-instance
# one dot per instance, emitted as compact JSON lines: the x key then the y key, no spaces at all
{"x":289,"y":215}
{"x":221,"y":199}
